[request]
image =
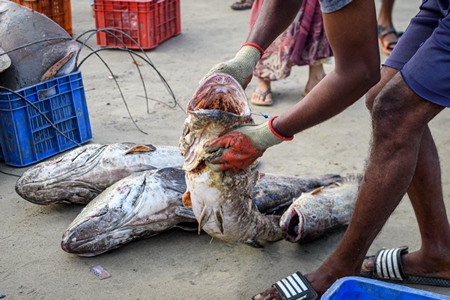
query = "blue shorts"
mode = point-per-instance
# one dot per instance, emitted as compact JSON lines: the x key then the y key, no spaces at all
{"x":422,"y":54}
{"x":329,"y":6}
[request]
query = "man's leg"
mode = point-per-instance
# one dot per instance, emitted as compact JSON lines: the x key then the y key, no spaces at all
{"x":425,"y":193}
{"x":400,"y":119}
{"x":385,"y":14}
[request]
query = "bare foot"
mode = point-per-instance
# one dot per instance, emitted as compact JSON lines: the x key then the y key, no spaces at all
{"x":316,"y":74}
{"x":269,"y":294}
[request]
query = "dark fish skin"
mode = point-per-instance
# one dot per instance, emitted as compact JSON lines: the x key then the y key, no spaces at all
{"x":321,"y":211}
{"x":139,"y":206}
{"x":274,"y":192}
{"x":81,"y":174}
{"x":122,"y":213}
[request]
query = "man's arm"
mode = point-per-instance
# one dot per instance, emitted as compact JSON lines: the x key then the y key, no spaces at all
{"x":274,"y":17}
{"x":352,"y":34}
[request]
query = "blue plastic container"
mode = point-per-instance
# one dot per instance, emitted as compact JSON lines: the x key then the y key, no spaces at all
{"x":26,"y":136}
{"x":355,"y":288}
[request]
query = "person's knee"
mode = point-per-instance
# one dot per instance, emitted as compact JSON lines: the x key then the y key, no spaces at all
{"x":386,"y":74}
{"x":393,"y":116}
{"x":386,"y":110}
{"x":370,"y":98}
{"x":380,"y":110}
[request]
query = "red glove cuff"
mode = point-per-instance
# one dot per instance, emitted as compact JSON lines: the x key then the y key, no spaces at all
{"x":255,"y":46}
{"x":276,"y":133}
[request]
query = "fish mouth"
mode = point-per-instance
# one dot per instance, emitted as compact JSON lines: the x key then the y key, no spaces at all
{"x":292,"y":226}
{"x":222,"y":92}
{"x":88,"y":247}
{"x":218,"y":104}
{"x":69,"y":192}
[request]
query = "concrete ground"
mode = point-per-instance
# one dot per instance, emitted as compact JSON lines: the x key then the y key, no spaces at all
{"x":179,"y":264}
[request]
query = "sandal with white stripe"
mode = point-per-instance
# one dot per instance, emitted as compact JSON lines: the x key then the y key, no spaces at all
{"x":388,"y":266}
{"x":294,"y":287}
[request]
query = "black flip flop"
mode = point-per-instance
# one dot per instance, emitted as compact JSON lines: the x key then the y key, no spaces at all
{"x":294,"y":287}
{"x":388,"y":267}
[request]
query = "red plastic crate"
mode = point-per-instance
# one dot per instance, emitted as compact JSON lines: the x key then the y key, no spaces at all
{"x":59,"y":11}
{"x":148,"y":22}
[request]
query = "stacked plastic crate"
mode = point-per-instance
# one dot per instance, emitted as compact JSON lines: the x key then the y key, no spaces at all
{"x":59,"y":11}
{"x":136,"y":23}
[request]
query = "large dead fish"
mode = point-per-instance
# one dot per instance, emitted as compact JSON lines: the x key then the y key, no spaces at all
{"x":320,"y":211}
{"x":138,"y":206}
{"x":46,"y":44}
{"x":274,"y":193}
{"x":83,"y":173}
{"x":221,"y":201}
{"x":148,"y":203}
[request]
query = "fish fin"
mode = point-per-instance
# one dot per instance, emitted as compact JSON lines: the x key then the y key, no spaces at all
{"x":140,"y":148}
{"x":254,"y":244}
{"x":51,"y":72}
{"x":316,"y":191}
{"x":353,"y":177}
{"x":185,"y":212}
{"x":186,"y":198}
{"x":173,"y":179}
{"x":187,"y":226}
{"x":151,"y":147}
{"x":329,"y":179}
{"x":219,"y":219}
{"x":202,"y":220}
{"x":337,"y":183}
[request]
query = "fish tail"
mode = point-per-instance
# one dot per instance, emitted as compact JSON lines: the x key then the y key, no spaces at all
{"x":353,"y":178}
{"x":330,"y":179}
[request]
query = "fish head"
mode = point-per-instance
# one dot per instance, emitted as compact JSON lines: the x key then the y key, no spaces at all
{"x":220,"y":91}
{"x":292,"y":223}
{"x":218,"y":104}
{"x":55,"y":181}
{"x":138,"y":206}
{"x":101,"y":223}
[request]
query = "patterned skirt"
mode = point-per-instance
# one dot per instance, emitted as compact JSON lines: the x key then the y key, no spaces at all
{"x":303,"y":43}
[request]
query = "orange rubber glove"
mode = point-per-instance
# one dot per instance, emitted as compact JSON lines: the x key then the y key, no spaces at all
{"x":237,"y":149}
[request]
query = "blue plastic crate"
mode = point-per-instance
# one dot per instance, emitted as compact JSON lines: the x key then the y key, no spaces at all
{"x":26,"y":136}
{"x":355,"y":288}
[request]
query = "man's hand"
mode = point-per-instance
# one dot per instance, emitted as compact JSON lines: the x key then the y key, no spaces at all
{"x":237,"y":149}
{"x":241,"y":66}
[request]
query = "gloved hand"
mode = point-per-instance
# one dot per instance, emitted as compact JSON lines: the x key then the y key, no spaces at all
{"x":237,"y":149}
{"x":241,"y":66}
